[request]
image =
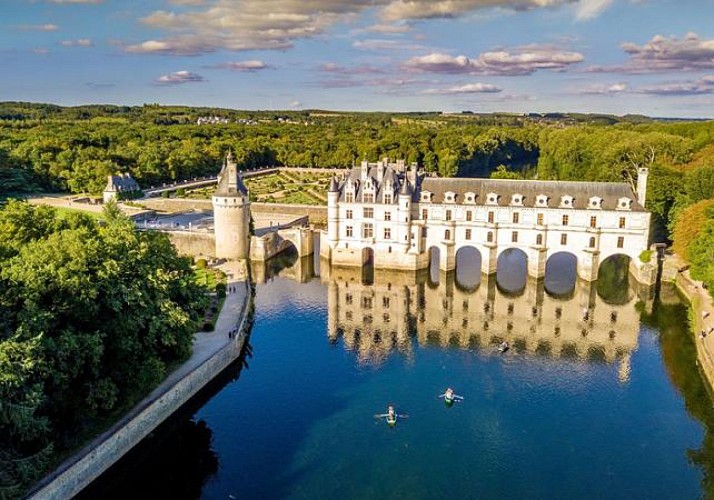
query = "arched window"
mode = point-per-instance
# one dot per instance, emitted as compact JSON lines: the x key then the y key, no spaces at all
{"x":592,"y":242}
{"x":447,"y":234}
{"x":539,"y":239}
{"x":489,"y":237}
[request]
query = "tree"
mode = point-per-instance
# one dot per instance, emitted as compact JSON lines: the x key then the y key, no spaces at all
{"x":502,"y":172}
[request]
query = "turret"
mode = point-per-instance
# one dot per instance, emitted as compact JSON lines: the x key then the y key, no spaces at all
{"x":642,"y":174}
{"x":231,"y":213}
{"x":333,"y":219}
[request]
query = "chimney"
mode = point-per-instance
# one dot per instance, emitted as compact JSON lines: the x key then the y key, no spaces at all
{"x":380,"y":172}
{"x":414,"y":173}
{"x":365,"y":170}
{"x":642,"y":174}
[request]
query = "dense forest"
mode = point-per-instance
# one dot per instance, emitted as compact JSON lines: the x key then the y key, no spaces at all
{"x":93,"y":316}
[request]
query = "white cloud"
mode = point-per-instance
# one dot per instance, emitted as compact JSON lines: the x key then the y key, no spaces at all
{"x":379,"y":45}
{"x":295,"y":104}
{"x":605,"y":89}
{"x":514,"y":62}
{"x":247,"y":66}
{"x":80,"y":42}
{"x":665,"y":54}
{"x":277,"y":24}
{"x":469,"y":88}
{"x":588,"y":9}
{"x":38,"y":27}
{"x":704,"y":85}
{"x":179,"y":77}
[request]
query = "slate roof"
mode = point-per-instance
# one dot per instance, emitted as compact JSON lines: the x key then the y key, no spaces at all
{"x":121,"y":183}
{"x":610,"y":192}
{"x":230,"y":181}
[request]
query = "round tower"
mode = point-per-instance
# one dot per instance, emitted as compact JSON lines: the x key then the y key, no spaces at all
{"x":231,"y":213}
{"x":333,"y":218}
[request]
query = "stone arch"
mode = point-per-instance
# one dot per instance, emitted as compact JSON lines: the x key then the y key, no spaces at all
{"x":512,"y":271}
{"x":468,"y":260}
{"x":613,"y":283}
{"x":561,"y":274}
{"x":286,"y":244}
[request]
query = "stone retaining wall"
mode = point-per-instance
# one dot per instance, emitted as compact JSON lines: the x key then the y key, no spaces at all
{"x":193,"y":243}
{"x":90,"y":462}
{"x":700,"y":301}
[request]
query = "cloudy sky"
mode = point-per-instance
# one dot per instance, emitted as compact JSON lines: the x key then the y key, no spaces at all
{"x":654,"y":57}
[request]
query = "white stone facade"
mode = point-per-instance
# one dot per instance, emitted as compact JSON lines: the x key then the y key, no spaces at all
{"x":396,"y":217}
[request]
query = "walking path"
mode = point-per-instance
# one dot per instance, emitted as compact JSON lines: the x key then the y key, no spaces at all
{"x":212,"y":352}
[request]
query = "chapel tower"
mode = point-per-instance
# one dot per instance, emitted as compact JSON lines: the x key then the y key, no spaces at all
{"x":231,"y":213}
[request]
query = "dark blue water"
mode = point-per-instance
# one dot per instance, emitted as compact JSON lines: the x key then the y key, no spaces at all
{"x":576,"y":408}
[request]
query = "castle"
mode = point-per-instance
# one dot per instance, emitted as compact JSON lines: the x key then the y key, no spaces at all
{"x":396,"y":217}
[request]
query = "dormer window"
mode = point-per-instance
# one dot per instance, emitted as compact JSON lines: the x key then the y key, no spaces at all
{"x":426,"y":196}
{"x":492,"y":199}
{"x":566,"y":202}
{"x":517,"y":199}
{"x":449,"y":197}
{"x":624,"y":204}
{"x":595,"y":203}
{"x":470,"y":197}
{"x":542,"y":200}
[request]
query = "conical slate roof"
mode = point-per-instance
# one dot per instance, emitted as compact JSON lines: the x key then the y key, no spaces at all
{"x":333,"y":185}
{"x":230,"y":181}
{"x":405,"y":189}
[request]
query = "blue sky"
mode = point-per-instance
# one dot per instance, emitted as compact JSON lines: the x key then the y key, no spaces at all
{"x":654,"y":57}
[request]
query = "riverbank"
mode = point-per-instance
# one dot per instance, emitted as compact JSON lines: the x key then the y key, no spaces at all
{"x":212,"y":353}
{"x":675,"y":269}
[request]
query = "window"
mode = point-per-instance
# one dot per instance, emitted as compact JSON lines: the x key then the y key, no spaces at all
{"x":385,"y":302}
{"x":368,"y":213}
{"x":448,"y":215}
{"x":348,"y":231}
{"x":566,"y":220}
{"x":348,"y":214}
{"x":514,"y":237}
{"x":593,"y":221}
{"x":469,"y":215}
{"x":563,"y":239}
{"x":349,"y":197}
{"x":489,"y":237}
{"x":516,"y":217}
{"x":348,"y":299}
{"x":490,"y":217}
{"x":424,"y":214}
{"x":592,"y":242}
{"x":368,"y":231}
{"x":368,"y":198}
{"x":387,"y":215}
{"x":539,"y":219}
{"x":367,"y":302}
{"x":387,"y":233}
{"x":468,"y":234}
{"x":447,"y":234}
{"x":620,"y":241}
{"x":622,"y":223}
{"x":388,"y":198}
{"x":539,"y":239}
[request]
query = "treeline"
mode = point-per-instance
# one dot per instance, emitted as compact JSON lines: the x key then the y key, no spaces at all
{"x":93,"y":316}
{"x":74,"y":149}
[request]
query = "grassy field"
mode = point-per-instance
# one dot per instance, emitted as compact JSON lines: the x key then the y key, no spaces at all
{"x":209,"y":277}
{"x":65,"y":211}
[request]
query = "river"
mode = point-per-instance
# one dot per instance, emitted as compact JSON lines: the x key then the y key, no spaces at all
{"x":598,"y":395}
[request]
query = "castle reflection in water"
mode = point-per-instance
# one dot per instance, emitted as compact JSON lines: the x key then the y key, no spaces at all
{"x":390,"y":311}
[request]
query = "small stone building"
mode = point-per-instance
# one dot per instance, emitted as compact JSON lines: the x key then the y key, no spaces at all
{"x":120,"y":186}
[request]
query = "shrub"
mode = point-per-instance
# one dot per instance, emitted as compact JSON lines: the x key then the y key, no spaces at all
{"x":646,"y":256}
{"x":221,"y":290}
{"x":165,"y":194}
{"x":208,"y":326}
{"x":201,"y":264}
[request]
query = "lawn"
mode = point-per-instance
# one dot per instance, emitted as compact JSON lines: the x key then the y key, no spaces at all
{"x":65,"y":211}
